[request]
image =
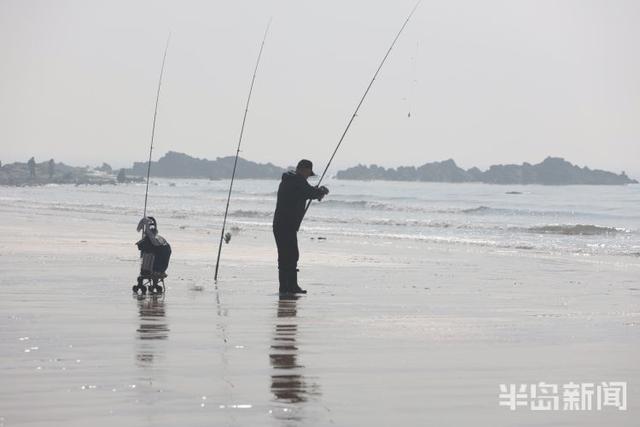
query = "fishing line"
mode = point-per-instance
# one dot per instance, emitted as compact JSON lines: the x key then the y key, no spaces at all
{"x":413,"y":83}
{"x":362,"y":100}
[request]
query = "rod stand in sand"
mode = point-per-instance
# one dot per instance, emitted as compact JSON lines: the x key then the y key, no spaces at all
{"x":235,"y":162}
{"x":355,"y":113}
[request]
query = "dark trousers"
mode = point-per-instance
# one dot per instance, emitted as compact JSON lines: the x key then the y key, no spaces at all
{"x":287,"y":243}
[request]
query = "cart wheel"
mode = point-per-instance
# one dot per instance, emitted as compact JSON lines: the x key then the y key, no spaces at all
{"x":158,"y":289}
{"x":139,"y":289}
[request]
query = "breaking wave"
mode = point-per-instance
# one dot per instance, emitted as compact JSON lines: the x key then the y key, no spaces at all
{"x":487,"y":210}
{"x":477,"y":210}
{"x":361,"y":204}
{"x":251,"y":214}
{"x":480,"y":209}
{"x":576,"y":229}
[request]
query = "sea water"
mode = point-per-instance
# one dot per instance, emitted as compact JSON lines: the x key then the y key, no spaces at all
{"x":587,"y":220}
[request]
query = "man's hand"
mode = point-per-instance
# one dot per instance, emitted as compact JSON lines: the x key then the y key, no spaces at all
{"x":323,"y":192}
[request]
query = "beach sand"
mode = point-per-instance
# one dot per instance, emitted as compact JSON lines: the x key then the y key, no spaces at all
{"x":391,"y":333}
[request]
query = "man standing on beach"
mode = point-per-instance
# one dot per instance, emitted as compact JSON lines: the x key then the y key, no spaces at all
{"x":293,"y":193}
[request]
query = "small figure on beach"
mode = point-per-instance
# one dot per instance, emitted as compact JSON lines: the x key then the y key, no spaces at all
{"x":52,"y":168}
{"x":31,"y":164}
{"x":293,"y":193}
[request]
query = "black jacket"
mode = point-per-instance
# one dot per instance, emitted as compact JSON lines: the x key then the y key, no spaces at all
{"x":293,"y":193}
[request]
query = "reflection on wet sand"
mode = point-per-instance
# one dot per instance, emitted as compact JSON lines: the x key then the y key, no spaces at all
{"x":288,"y":384}
{"x":153,"y":326}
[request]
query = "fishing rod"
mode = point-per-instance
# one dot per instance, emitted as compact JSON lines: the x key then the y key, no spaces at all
{"x":235,"y":162}
{"x":355,"y":113}
{"x":153,"y":127}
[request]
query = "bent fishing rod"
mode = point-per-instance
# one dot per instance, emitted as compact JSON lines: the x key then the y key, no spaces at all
{"x":153,"y":127}
{"x":355,"y":113}
{"x":235,"y":162}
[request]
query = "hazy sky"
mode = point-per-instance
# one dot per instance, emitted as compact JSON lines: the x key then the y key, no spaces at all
{"x":485,"y":81}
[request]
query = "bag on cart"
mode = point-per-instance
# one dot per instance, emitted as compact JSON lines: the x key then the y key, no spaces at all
{"x":155,"y":251}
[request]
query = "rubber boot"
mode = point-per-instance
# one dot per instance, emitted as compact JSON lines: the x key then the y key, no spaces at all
{"x":283,"y":279}
{"x":293,"y":283}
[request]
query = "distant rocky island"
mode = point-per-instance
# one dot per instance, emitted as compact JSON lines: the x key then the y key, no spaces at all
{"x":551,"y":171}
{"x":179,"y":165}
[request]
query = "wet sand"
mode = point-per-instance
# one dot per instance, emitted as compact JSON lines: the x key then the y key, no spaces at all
{"x":391,"y":333}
